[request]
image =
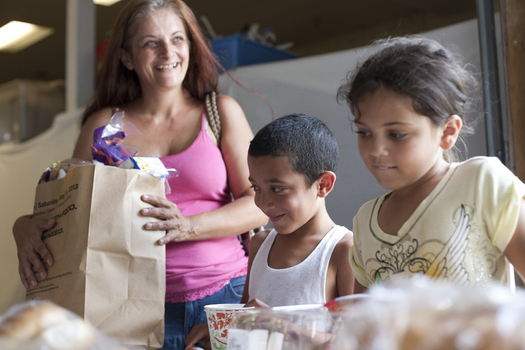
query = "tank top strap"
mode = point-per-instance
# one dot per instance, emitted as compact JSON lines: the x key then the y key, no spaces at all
{"x":204,"y":122}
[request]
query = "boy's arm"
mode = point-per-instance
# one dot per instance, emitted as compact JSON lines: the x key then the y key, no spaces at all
{"x":345,"y":275}
{"x":255,"y":244}
{"x":516,"y":246}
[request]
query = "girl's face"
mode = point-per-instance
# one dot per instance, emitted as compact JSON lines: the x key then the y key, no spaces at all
{"x":160,"y":50}
{"x":399,"y":147}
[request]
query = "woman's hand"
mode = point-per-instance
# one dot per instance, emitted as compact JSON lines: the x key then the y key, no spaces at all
{"x":32,"y":251}
{"x":176,"y":225}
{"x":198,"y":334}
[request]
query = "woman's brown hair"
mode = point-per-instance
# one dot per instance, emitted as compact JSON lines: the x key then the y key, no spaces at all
{"x":117,"y":86}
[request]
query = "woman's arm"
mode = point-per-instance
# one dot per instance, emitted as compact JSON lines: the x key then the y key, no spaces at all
{"x":32,"y":252}
{"x":85,"y":138}
{"x":255,"y":244}
{"x":237,"y":217}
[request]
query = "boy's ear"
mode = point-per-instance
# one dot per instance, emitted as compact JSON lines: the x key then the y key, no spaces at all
{"x":325,"y":183}
{"x":125,"y":58}
{"x":451,"y":130}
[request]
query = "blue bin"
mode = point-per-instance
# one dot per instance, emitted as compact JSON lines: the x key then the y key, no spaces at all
{"x":237,"y":51}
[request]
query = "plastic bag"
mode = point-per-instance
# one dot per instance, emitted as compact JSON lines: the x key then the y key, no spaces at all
{"x":426,"y":315}
{"x":58,"y":170}
{"x":305,"y":327}
{"x":108,"y":148}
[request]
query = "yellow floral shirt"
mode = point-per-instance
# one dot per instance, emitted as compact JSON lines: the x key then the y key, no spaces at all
{"x":458,"y":233}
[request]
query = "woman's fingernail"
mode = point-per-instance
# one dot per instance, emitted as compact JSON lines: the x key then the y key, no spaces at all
{"x":161,"y":241}
{"x":49,"y":262}
{"x":149,"y":225}
{"x":145,"y":197}
{"x":145,"y":211}
{"x":33,"y":282}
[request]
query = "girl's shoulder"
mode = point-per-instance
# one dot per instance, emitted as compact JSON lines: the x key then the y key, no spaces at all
{"x":481,"y":163}
{"x":486,"y":172}
{"x":369,"y":206}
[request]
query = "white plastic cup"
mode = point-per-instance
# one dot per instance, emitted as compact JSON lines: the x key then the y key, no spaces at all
{"x":219,"y":317}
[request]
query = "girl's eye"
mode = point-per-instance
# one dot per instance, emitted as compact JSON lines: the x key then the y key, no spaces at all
{"x":277,"y":189}
{"x":255,"y":188}
{"x":396,"y":135}
{"x":363,"y":133}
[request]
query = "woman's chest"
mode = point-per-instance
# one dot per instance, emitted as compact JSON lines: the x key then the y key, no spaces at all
{"x":160,"y":139}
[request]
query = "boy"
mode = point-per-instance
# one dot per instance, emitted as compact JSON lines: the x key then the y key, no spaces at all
{"x":304,"y":259}
{"x":292,"y":162}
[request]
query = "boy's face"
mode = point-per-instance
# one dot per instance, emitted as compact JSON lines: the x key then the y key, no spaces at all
{"x":282,"y":194}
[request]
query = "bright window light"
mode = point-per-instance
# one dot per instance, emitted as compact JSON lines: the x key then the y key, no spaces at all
{"x":105,"y":2}
{"x":16,"y":36}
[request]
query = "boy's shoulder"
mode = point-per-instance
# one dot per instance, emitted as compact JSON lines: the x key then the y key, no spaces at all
{"x":257,"y":240}
{"x":260,"y":236}
{"x":347,"y":239}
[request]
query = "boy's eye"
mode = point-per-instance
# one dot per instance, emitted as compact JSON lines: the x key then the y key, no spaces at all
{"x":255,"y":188}
{"x":277,"y":189}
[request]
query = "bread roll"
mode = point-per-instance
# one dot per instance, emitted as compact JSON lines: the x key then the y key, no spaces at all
{"x":69,"y":335}
{"x":44,"y":325}
{"x":31,"y":319}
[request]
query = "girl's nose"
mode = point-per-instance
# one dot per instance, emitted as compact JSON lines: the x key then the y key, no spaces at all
{"x":378,"y":147}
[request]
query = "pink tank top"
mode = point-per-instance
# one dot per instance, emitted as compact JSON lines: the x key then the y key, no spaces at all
{"x":195,"y":269}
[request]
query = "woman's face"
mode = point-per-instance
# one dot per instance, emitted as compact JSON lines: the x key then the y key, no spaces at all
{"x":159,"y":51}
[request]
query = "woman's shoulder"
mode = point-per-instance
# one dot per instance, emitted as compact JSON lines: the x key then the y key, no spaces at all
{"x":99,"y":118}
{"x":228,"y":108}
{"x":85,"y":139}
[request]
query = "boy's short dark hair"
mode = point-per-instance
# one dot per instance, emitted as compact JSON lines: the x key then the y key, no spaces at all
{"x":305,"y":140}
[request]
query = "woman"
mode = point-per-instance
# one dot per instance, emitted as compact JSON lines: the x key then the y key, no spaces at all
{"x":158,"y":69}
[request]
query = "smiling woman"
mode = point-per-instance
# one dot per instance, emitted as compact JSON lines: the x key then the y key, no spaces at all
{"x":159,"y":51}
{"x":158,"y":69}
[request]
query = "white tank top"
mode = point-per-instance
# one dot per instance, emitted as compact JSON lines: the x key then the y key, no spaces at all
{"x":301,"y":284}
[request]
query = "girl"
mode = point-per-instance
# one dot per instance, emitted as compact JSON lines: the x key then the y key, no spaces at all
{"x":450,"y":221}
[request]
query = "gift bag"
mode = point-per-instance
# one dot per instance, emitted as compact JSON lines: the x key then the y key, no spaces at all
{"x":107,"y":268}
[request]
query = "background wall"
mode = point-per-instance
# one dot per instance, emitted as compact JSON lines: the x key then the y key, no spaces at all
{"x":309,"y":85}
{"x":305,"y":85}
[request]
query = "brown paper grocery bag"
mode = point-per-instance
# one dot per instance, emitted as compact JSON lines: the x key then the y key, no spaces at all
{"x":107,"y":268}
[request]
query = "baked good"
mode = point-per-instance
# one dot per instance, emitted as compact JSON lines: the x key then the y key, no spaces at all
{"x":28,"y":320}
{"x":427,"y":315}
{"x":42,"y":324}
